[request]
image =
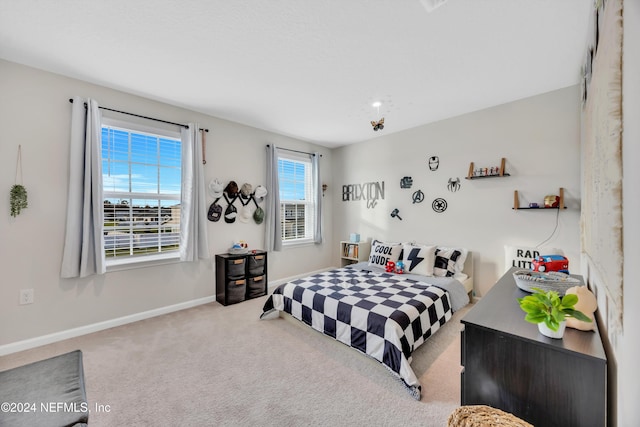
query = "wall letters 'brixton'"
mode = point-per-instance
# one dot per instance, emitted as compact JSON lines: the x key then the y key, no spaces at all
{"x":369,"y":191}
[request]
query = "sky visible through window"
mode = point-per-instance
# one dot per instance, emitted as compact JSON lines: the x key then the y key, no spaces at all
{"x":292,"y":180}
{"x":140,"y":163}
{"x":150,"y":164}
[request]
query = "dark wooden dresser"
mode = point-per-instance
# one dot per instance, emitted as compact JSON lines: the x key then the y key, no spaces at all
{"x":509,"y":365}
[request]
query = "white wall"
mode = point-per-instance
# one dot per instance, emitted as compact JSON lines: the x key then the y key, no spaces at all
{"x":622,"y":342}
{"x":538,"y":136}
{"x":35,"y":112}
{"x":627,"y":344}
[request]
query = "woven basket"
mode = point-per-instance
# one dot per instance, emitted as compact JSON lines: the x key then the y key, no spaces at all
{"x":483,"y":416}
{"x":551,"y":281}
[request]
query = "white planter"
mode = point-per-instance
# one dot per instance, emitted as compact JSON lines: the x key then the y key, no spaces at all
{"x":544,"y":330}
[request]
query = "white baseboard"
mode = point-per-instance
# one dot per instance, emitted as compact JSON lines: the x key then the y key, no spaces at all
{"x":95,"y":327}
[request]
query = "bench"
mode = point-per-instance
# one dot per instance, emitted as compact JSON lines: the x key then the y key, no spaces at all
{"x":49,"y":392}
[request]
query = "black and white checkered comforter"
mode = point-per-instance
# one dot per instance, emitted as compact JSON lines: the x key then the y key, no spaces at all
{"x":385,"y":316}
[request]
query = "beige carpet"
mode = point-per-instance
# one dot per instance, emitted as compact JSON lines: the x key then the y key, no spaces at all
{"x":222,"y":366}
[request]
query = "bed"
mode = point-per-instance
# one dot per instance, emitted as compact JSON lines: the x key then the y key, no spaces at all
{"x":383,"y":315}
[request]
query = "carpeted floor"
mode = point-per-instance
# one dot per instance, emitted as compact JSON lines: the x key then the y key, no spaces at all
{"x":222,"y":366}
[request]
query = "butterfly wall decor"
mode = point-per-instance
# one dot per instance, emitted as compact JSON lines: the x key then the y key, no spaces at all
{"x":379,"y":125}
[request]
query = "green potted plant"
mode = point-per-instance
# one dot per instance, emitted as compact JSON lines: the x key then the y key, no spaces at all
{"x":18,"y":194}
{"x":550,"y":311}
{"x":18,"y":199}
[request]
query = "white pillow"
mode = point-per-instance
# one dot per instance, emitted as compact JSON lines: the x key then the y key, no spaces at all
{"x":419,"y":259}
{"x":460,"y":260}
{"x":382,"y":252}
{"x":449,"y":261}
{"x":521,"y":256}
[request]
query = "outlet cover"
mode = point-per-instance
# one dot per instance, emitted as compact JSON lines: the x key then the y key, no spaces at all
{"x":26,"y":296}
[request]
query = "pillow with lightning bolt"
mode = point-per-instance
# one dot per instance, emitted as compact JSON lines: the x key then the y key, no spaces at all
{"x":419,"y":259}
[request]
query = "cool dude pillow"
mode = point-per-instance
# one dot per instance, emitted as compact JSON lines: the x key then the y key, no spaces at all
{"x":382,"y":252}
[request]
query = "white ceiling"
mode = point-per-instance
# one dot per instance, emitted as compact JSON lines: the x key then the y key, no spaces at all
{"x":307,"y":69}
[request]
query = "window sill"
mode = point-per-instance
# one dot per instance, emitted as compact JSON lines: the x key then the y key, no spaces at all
{"x":297,"y":243}
{"x":141,"y":262}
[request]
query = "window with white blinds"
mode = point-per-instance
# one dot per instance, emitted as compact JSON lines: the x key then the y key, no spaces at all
{"x":141,"y":180}
{"x":297,"y":206}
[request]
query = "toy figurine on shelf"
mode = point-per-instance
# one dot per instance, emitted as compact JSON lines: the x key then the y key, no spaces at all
{"x":551,"y":201}
{"x":550,"y":263}
{"x":399,"y":267}
{"x":390,"y":267}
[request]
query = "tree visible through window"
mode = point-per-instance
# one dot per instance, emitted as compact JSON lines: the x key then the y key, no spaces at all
{"x":297,"y":206}
{"x":141,"y":174}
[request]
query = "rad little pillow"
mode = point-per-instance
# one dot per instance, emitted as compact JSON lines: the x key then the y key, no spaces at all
{"x":522,"y":256}
{"x":419,"y":259}
{"x":382,"y":252}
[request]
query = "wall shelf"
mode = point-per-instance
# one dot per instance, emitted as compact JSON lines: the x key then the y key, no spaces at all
{"x":516,"y":202}
{"x":499,"y":174}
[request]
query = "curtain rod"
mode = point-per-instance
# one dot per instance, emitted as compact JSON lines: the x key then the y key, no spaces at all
{"x":295,"y":151}
{"x":142,"y":117}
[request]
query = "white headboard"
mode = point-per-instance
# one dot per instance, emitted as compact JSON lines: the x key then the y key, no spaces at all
{"x":468,"y":270}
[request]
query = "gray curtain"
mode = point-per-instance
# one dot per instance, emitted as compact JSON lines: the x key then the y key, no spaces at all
{"x":83,"y":253}
{"x":317,"y":194}
{"x":193,"y":210}
{"x":273,"y":231}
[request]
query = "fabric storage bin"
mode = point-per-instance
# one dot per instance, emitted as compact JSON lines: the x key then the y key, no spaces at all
{"x":235,"y":268}
{"x":256,"y":264}
{"x":256,"y":287}
{"x":236,"y":290}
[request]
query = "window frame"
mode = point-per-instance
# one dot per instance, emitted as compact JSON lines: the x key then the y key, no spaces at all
{"x":309,"y":202}
{"x":140,"y":260}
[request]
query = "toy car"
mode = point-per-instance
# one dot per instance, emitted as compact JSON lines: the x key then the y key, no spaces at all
{"x":550,"y":263}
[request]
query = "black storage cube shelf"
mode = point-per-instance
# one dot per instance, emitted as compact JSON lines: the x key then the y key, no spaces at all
{"x":240,"y":277}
